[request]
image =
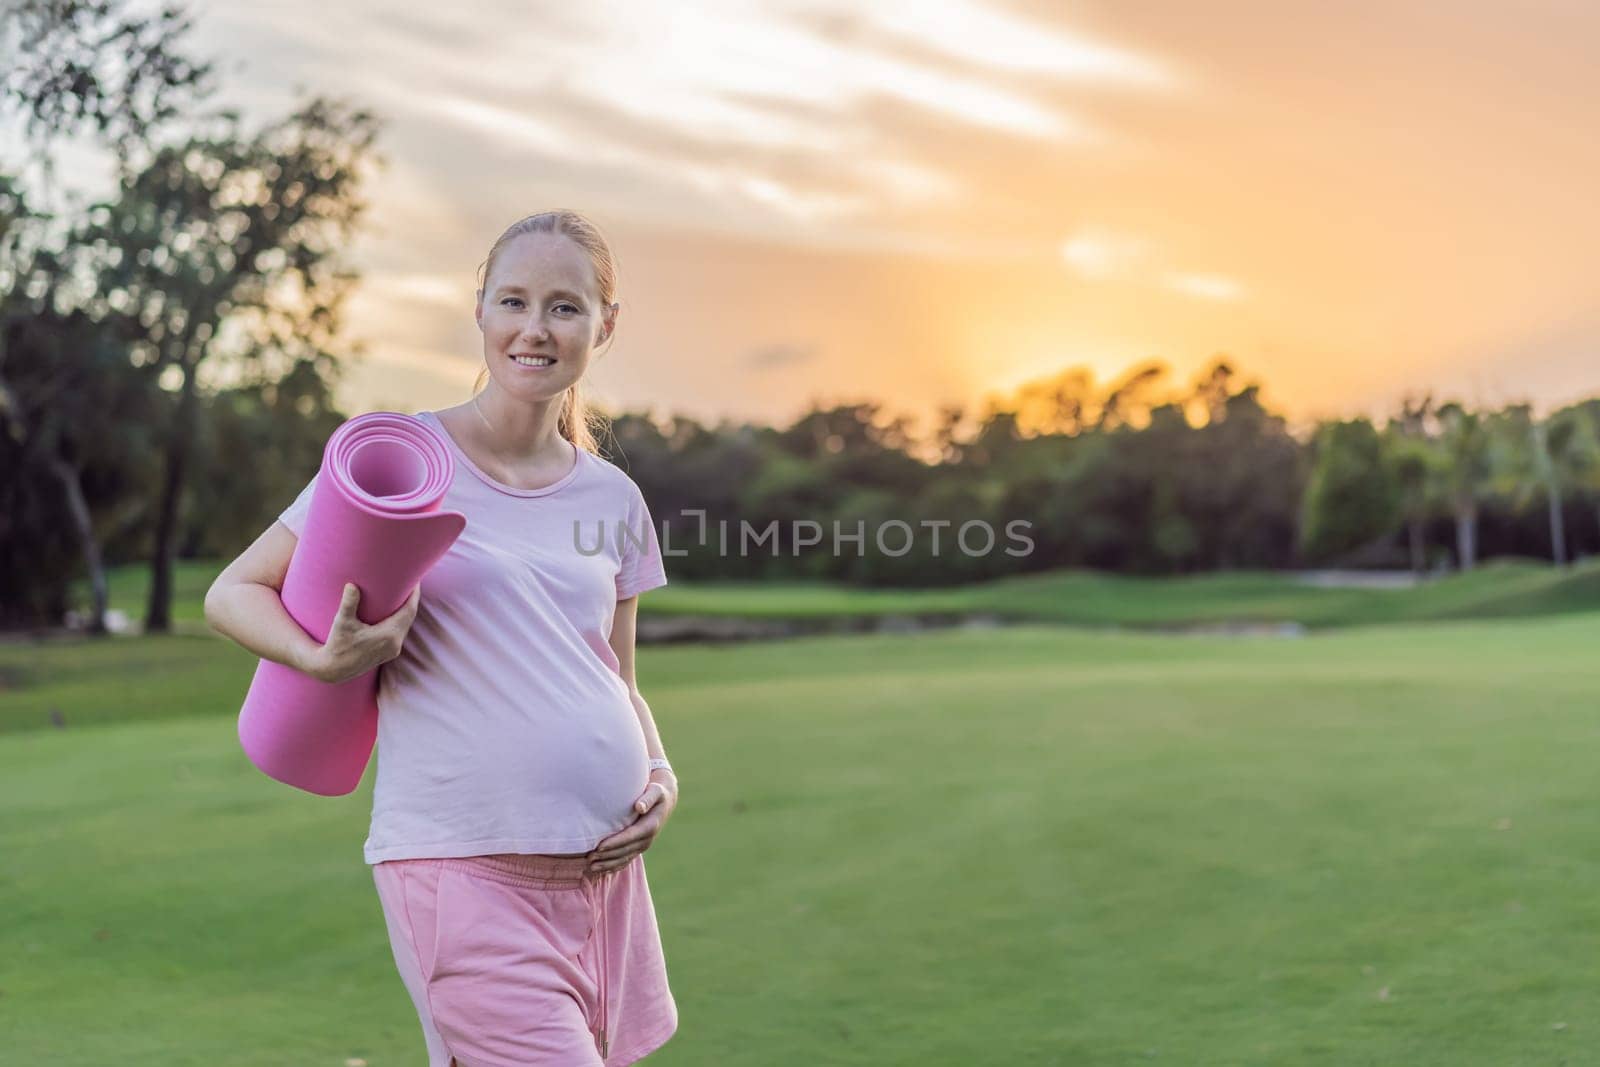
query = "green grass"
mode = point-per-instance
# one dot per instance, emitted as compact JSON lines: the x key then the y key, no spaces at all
{"x":1026,"y":845}
{"x":85,"y":682}
{"x":128,"y":589}
{"x":1501,"y":589}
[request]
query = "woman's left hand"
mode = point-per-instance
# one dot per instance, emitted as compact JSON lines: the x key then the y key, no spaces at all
{"x":652,"y":808}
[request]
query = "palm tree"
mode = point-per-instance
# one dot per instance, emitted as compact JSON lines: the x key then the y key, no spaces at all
{"x":1571,"y":446}
{"x":1466,"y":448}
{"x":1521,"y":468}
{"x":1414,"y":462}
{"x":1547,"y":457}
{"x":1546,"y":468}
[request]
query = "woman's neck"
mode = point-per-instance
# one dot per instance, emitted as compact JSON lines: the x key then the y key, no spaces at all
{"x":518,"y":430}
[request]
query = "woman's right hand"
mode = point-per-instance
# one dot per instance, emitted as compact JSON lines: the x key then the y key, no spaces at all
{"x":353,"y":648}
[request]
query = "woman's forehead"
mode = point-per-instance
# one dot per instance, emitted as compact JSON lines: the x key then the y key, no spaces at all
{"x":543,"y":261}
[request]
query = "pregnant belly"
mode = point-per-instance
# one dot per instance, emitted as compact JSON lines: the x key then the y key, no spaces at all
{"x":558,"y":775}
{"x":602,"y":771}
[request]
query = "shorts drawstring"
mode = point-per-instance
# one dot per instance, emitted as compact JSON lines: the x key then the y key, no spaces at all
{"x":597,"y":906}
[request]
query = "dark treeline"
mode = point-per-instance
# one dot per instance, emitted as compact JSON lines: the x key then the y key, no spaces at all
{"x":1132,"y":478}
{"x":167,"y":360}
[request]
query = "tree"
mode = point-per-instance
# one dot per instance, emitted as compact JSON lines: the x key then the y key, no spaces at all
{"x":73,"y":65}
{"x":1543,"y":457}
{"x":1569,"y":447}
{"x":1130,"y":399}
{"x":1466,"y":472}
{"x":79,"y":413}
{"x":1352,"y":496}
{"x":1412,"y":458}
{"x":288,"y":422}
{"x":1242,"y":479}
{"x":1063,"y":404}
{"x":224,"y":250}
{"x":1519,"y":464}
{"x":64,"y":377}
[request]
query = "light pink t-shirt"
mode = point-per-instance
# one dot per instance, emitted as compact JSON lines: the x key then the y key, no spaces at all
{"x":503,"y":725}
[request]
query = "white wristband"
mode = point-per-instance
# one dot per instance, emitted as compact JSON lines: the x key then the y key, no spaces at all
{"x":661,"y":765}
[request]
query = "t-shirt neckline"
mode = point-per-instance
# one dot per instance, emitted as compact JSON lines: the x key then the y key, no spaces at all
{"x":494,"y":483}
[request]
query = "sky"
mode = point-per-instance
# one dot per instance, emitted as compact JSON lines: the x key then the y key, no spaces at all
{"x":926,"y":203}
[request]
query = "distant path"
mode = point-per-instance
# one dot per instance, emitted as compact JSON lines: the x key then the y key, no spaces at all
{"x":675,"y":629}
{"x":1359,"y":579}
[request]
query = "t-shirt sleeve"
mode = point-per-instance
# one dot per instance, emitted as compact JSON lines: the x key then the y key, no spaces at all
{"x":641,"y":568}
{"x":294,"y":516}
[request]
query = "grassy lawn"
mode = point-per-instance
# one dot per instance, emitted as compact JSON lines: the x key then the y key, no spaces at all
{"x":1501,"y":589}
{"x":1027,"y":845}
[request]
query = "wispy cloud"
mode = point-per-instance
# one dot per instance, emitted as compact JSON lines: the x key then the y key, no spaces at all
{"x":992,"y":37}
{"x":1145,"y":158}
{"x":792,"y":111}
{"x":422,"y":288}
{"x":1205,"y":286}
{"x":591,"y":150}
{"x":733,"y":65}
{"x":770,"y":357}
{"x":1097,"y":254}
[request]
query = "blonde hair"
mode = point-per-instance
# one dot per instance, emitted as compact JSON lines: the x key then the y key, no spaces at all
{"x":579,"y":422}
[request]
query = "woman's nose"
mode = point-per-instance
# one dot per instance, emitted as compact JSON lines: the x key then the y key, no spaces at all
{"x":534,"y":326}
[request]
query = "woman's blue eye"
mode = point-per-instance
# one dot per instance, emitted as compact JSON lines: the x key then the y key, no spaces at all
{"x":510,"y":299}
{"x":568,"y":307}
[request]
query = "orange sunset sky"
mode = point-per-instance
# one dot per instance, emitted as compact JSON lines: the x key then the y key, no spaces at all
{"x":928,"y":202}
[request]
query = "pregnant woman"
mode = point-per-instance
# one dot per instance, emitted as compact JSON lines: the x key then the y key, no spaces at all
{"x":520,"y":775}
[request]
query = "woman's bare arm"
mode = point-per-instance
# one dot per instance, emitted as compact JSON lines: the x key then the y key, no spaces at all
{"x":624,"y":626}
{"x":245,"y":604}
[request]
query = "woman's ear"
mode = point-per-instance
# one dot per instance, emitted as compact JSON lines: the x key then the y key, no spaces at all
{"x":477,"y":309}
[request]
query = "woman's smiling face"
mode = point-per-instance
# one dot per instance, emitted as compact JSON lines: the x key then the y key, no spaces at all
{"x":540,"y":300}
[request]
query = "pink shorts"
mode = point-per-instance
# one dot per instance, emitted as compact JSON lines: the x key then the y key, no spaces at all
{"x":517,"y":960}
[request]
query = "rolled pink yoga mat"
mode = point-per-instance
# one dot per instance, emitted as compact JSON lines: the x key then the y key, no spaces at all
{"x":374,"y":521}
